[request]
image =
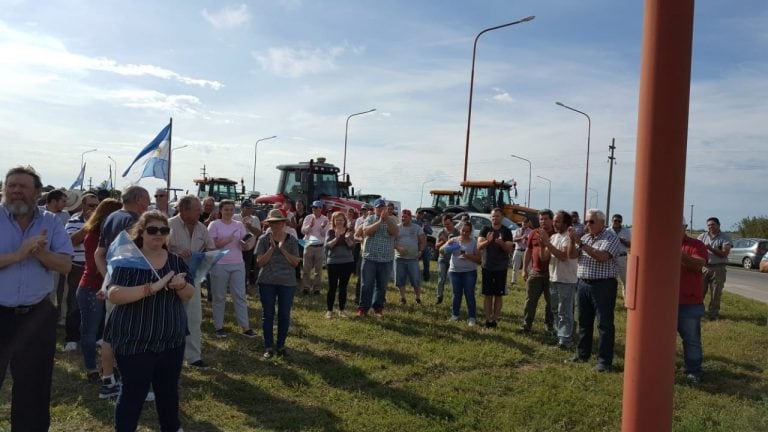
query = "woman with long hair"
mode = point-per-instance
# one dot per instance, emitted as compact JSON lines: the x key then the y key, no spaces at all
{"x":340,"y":245}
{"x":148,"y":325}
{"x":277,"y":255}
{"x":229,"y":272}
{"x":91,"y":306}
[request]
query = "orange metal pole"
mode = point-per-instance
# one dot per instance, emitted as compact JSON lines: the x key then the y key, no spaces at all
{"x":654,"y":264}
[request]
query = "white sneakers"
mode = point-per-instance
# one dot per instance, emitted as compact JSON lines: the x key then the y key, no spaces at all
{"x":70,"y":346}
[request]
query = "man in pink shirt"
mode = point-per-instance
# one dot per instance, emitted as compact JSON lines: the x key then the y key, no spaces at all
{"x":314,"y":227}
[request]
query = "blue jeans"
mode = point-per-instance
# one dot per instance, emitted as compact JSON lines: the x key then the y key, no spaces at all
{"x":283,"y":296}
{"x":689,"y":327}
{"x":562,"y":295}
{"x":138,"y":371}
{"x":91,"y":317}
{"x":407,"y":269}
{"x":463,"y":283}
{"x":442,"y":275}
{"x":597,"y":299}
{"x":425,"y":259}
{"x":374,"y":288}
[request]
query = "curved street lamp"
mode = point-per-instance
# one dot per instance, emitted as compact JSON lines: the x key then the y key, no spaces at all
{"x":597,"y":198}
{"x":530,"y":169}
{"x":589,"y":132}
{"x":255,"y":153}
{"x":346,"y":132}
{"x":82,"y":161}
{"x":549,"y":193}
{"x":114,"y":176}
{"x":472,"y":83}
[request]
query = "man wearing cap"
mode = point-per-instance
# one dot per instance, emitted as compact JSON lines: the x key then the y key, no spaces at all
{"x":314,"y":228}
{"x":33,"y":248}
{"x":719,"y":246}
{"x":74,"y":228}
{"x":625,"y":242}
{"x":691,"y":304}
{"x":409,"y":243}
{"x":253,"y":226}
{"x":379,"y":232}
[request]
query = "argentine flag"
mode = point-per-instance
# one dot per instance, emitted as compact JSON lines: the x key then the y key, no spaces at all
{"x":123,"y":252}
{"x":152,"y":161}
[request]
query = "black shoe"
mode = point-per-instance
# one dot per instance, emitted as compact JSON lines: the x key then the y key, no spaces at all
{"x":200,"y":364}
{"x":93,"y":376}
{"x":494,"y":324}
{"x":602,"y":368}
{"x":418,"y":301}
{"x":563,"y":346}
{"x":551,"y":330}
{"x":402,"y":301}
{"x":524,"y":329}
{"x":281,"y":352}
{"x":577,"y":359}
{"x":249,"y":333}
{"x":439,"y":300}
{"x":316,"y":292}
{"x":305,"y":291}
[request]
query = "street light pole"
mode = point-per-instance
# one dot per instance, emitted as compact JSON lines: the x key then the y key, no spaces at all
{"x":421,"y":195}
{"x":530,"y":169}
{"x":255,"y":153}
{"x":114,"y":176}
{"x":82,"y":161}
{"x":597,"y":199}
{"x":549,"y":193}
{"x":472,"y":83}
{"x":346,"y":133}
{"x":589,"y":132}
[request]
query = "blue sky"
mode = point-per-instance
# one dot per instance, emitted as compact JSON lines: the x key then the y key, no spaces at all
{"x":79,"y":75}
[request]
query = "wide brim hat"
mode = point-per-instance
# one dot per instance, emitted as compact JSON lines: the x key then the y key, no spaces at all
{"x":275,"y":215}
{"x":73,"y":199}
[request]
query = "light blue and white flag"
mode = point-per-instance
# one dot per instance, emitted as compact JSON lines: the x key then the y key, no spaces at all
{"x":200,"y":263}
{"x":79,"y":181}
{"x":123,"y":252}
{"x":152,"y":161}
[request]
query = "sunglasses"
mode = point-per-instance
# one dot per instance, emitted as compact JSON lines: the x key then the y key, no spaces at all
{"x":160,"y":196}
{"x":590,"y":222}
{"x":155,"y":230}
{"x":91,"y":205}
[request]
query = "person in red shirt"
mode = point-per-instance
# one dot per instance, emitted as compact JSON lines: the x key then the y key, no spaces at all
{"x":537,"y":281}
{"x":691,"y":304}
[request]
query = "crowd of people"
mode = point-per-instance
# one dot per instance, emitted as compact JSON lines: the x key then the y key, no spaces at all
{"x":147,"y":321}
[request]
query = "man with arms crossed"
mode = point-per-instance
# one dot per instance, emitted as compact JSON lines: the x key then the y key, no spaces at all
{"x":34,"y":249}
{"x":719,"y":246}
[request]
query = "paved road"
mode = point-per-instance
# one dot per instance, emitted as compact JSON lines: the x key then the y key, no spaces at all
{"x":748,"y":283}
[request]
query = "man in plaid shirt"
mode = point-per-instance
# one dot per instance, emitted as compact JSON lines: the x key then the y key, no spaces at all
{"x":596,"y":290}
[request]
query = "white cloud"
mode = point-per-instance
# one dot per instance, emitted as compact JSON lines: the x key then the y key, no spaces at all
{"x":150,"y":99}
{"x":229,"y":17}
{"x":297,"y":62}
{"x":33,"y":52}
{"x":503,"y":97}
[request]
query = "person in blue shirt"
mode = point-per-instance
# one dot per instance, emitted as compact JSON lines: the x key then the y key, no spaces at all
{"x":34,"y":249}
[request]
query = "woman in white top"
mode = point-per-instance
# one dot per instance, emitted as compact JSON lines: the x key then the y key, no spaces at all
{"x":462,"y":270}
{"x":229,"y":272}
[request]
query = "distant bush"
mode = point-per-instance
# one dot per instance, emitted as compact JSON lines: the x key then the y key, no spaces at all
{"x":755,"y":226}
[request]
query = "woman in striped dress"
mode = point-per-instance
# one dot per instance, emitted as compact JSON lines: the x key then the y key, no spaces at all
{"x":148,"y":326}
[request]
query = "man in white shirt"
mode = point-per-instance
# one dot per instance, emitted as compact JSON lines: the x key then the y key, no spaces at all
{"x":625,"y":241}
{"x":314,"y":228}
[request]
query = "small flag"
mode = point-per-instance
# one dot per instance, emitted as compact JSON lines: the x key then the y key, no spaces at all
{"x":152,"y":160}
{"x":123,"y":252}
{"x":80,"y":177}
{"x":200,"y":263}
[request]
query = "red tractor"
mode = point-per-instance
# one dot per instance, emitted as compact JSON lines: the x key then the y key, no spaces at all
{"x":311,"y":181}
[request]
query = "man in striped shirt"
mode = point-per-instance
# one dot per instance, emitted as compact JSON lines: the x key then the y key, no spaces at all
{"x":596,"y":289}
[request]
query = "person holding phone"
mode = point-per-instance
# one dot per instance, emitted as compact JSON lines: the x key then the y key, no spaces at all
{"x":462,"y":270}
{"x":229,"y":272}
{"x":148,"y":325}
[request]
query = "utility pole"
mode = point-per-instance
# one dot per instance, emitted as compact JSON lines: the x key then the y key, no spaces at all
{"x":611,"y":161}
{"x":90,"y":183}
{"x":690,"y":221}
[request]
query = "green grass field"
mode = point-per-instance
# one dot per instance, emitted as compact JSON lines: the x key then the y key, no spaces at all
{"x":414,"y":370}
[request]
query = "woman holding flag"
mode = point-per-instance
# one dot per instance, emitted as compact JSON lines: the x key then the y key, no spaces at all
{"x":148,"y":325}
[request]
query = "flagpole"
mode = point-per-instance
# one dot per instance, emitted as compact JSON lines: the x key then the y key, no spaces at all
{"x":170,"y":152}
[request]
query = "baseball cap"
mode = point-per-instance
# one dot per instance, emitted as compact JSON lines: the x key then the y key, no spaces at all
{"x":317,"y":204}
{"x":380,"y":203}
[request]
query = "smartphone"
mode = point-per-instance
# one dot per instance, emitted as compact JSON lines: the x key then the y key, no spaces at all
{"x":248,"y":237}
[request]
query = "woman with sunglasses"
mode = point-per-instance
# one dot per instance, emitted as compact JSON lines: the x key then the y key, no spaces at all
{"x":148,"y":326}
{"x":277,"y":255}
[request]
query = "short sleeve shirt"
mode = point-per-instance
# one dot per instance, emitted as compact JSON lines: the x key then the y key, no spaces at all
{"x":691,"y":281}
{"x":540,"y":265}
{"x":277,"y":271}
{"x":114,"y":224}
{"x":718,"y":242}
{"x":380,"y":247}
{"x":220,"y":230}
{"x":495,"y":258}
{"x":590,"y":268}
{"x":562,"y":271}
{"x":409,"y":238}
